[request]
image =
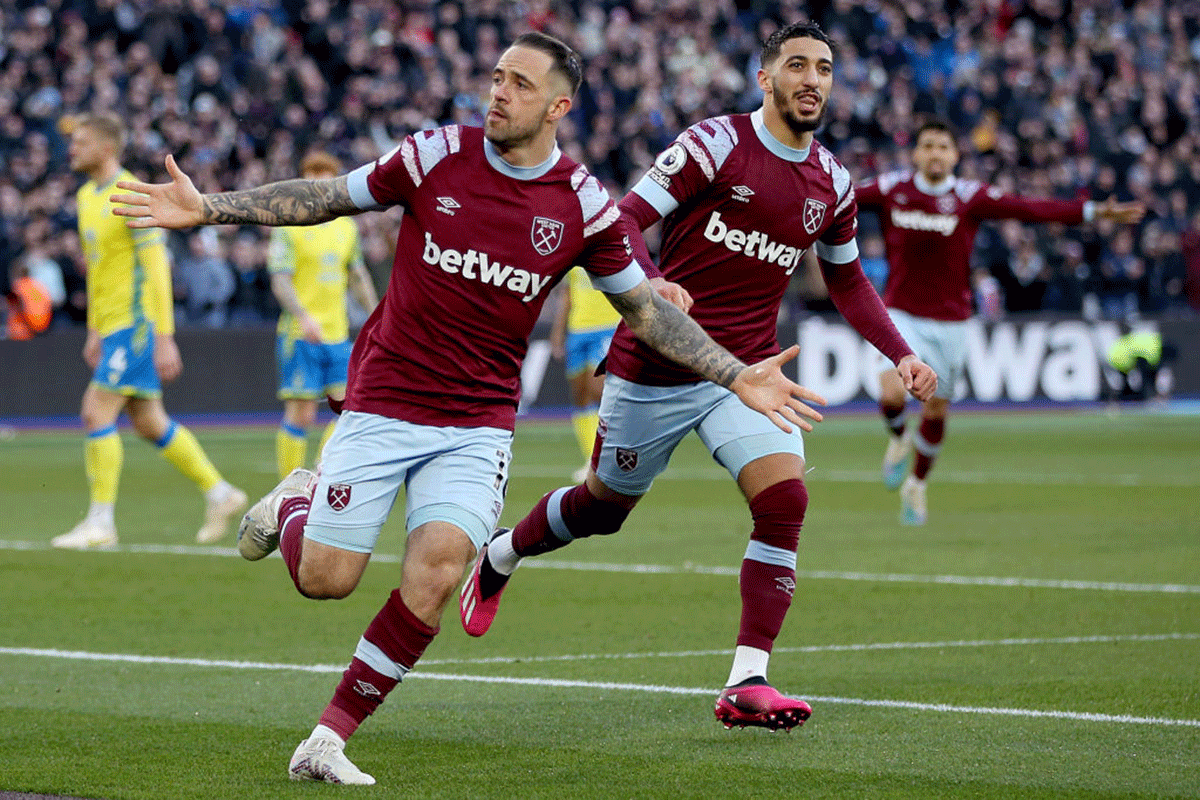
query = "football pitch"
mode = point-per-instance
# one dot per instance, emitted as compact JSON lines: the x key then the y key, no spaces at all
{"x":1040,"y":637}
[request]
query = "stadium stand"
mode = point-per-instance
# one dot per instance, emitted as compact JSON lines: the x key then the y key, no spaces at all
{"x":1087,"y":98}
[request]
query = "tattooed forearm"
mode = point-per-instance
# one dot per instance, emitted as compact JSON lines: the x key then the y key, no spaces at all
{"x":295,"y":202}
{"x":676,"y":335}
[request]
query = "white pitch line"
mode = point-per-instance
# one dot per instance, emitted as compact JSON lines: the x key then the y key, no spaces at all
{"x":968,"y":478}
{"x":823,"y":648}
{"x":1124,"y":719}
{"x":696,"y":569}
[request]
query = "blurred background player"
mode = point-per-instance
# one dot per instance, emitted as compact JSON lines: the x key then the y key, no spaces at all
{"x":1138,"y":365}
{"x":130,"y":346}
{"x":311,"y":268}
{"x":582,"y":330}
{"x":929,"y":220}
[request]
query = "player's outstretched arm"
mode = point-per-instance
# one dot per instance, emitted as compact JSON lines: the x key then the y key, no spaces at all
{"x":762,"y":386}
{"x":1121,"y":213}
{"x":179,"y":204}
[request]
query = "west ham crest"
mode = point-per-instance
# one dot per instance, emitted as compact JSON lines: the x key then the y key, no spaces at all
{"x":546,"y":235}
{"x":627,"y":459}
{"x":338,"y":496}
{"x":814,"y":214}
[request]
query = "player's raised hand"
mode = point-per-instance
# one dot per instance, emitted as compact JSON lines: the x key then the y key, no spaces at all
{"x":673,"y":293}
{"x":919,"y":378}
{"x":177,"y":204}
{"x":1122,"y":213}
{"x":765,"y":388}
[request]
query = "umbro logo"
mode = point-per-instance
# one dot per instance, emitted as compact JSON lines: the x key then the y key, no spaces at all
{"x":446,"y":205}
{"x":786,"y":584}
{"x":366,"y":689}
{"x":742,"y":193}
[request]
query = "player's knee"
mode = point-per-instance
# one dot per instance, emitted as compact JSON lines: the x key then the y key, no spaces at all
{"x":586,"y":515}
{"x":778,"y":513}
{"x":319,"y":584}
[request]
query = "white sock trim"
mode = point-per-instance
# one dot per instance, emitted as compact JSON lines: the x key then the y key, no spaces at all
{"x":502,"y":556}
{"x":748,"y":662}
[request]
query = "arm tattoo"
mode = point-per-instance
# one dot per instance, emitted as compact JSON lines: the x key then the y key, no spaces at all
{"x":676,"y":335}
{"x":294,"y":202}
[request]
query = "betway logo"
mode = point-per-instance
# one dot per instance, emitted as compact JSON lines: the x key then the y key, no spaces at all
{"x":476,"y":266}
{"x":754,"y":244}
{"x":924,"y":221}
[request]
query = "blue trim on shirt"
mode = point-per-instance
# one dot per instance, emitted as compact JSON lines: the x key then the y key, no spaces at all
{"x":658,"y":197}
{"x":774,"y":145}
{"x":360,"y":193}
{"x":619,"y":282}
{"x":519,"y":173}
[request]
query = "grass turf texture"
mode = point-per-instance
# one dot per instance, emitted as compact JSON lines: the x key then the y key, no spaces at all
{"x":1039,"y":497}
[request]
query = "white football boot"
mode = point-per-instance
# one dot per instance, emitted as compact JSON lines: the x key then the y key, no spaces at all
{"x":86,"y":535}
{"x":217,"y":512}
{"x":912,"y":502}
{"x":258,"y":535}
{"x":321,"y":758}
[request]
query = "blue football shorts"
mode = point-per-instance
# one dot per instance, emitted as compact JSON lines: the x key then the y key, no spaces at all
{"x":127,"y":363}
{"x":449,"y":474}
{"x":940,"y":344}
{"x":586,"y":349}
{"x":640,"y":427}
{"x":308,"y":371}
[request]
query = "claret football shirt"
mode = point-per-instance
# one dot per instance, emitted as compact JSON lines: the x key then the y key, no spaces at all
{"x":481,"y":244}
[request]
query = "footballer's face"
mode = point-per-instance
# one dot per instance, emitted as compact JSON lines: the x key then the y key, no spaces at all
{"x":935,"y":155}
{"x":527,"y":98}
{"x":799,"y":83}
{"x":89,"y":150}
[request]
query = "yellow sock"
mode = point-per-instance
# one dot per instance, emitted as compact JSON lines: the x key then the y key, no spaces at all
{"x":103,"y":455}
{"x":180,"y":447}
{"x":585,"y":429}
{"x":325,"y":438}
{"x":291,"y":448}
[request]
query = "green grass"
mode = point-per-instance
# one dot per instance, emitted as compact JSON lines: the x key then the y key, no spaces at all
{"x":927,"y":679}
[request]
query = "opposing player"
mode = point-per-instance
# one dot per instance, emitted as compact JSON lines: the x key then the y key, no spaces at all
{"x":130,"y":346}
{"x":311,"y":269}
{"x":584,"y":324}
{"x":929,"y":220}
{"x":493,"y":217}
{"x":742,"y":198}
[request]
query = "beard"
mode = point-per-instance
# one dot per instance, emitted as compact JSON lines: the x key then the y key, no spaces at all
{"x":795,"y":123}
{"x":506,"y":134}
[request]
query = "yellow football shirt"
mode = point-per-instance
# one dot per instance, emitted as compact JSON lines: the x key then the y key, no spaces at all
{"x":128,"y":272}
{"x":319,"y":258}
{"x":590,"y":309}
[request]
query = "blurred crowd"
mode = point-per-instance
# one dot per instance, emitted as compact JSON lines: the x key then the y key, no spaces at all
{"x":1052,"y":98}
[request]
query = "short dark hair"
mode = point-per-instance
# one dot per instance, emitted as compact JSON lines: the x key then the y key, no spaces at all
{"x":797,"y":30}
{"x":935,"y":124}
{"x":565,"y":60}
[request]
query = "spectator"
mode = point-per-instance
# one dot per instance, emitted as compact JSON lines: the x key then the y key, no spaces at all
{"x":1068,"y":100}
{"x":204,"y":282}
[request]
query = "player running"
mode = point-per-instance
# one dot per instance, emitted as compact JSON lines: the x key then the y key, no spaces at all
{"x":742,"y":198}
{"x":929,"y":220}
{"x":493,"y":218}
{"x":130,"y":347}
